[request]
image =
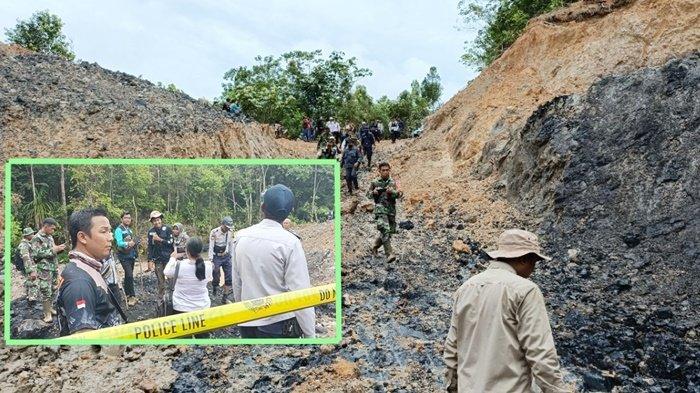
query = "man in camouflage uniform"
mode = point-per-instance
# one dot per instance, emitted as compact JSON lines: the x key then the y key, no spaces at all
{"x":25,"y":251}
{"x":385,"y":193}
{"x":44,"y":252}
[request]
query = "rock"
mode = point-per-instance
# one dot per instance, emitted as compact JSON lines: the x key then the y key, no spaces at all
{"x":367,"y":206}
{"x":664,"y":313}
{"x":347,"y":300}
{"x":623,"y":284}
{"x":596,"y":382}
{"x":345,"y":369}
{"x":459,"y":246}
{"x":112,"y":350}
{"x":573,"y":254}
{"x":32,"y":328}
{"x":408,"y":225}
{"x":148,"y":386}
{"x":349,"y":206}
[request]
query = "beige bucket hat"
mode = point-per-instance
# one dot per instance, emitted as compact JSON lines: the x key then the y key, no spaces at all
{"x":515,"y":243}
{"x":156,"y":214}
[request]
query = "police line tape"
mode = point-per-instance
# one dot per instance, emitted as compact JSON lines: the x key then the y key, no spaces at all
{"x":213,"y":318}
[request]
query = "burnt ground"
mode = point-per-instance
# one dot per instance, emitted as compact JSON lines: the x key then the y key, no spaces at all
{"x":396,"y":318}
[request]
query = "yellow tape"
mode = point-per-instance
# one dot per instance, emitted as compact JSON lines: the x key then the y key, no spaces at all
{"x":213,"y":318}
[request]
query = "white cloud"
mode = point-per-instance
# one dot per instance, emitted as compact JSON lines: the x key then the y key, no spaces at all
{"x":192,"y":44}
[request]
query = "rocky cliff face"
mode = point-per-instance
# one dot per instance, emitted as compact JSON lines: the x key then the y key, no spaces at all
{"x":50,"y":107}
{"x":558,"y":54}
{"x":614,"y":173}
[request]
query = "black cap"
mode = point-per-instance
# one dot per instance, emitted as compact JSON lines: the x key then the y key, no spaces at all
{"x":278,"y":202}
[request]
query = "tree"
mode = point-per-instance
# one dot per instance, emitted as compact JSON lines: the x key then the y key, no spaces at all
{"x":430,"y":88}
{"x":504,"y":21}
{"x":41,"y":33}
{"x":284,"y":89}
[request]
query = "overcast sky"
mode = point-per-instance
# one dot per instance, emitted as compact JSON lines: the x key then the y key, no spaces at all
{"x":192,"y":44}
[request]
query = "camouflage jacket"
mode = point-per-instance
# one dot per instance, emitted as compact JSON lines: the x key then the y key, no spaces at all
{"x":25,"y":251}
{"x":42,"y":252}
{"x":385,"y":202}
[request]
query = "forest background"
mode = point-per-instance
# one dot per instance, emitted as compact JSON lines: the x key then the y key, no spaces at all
{"x":197,"y":196}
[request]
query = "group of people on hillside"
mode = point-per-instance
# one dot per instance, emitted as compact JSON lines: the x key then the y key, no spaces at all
{"x":322,"y":131}
{"x":262,"y":260}
{"x":352,"y":147}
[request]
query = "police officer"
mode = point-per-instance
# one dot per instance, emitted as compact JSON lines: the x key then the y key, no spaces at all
{"x":84,"y":298}
{"x":25,"y":252}
{"x":220,"y":251}
{"x":44,"y":253}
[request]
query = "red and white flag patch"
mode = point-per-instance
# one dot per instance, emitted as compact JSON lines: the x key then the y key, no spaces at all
{"x":80,"y":303}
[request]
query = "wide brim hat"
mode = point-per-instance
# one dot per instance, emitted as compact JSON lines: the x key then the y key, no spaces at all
{"x":515,"y":243}
{"x":27,"y":231}
{"x":155,"y":214}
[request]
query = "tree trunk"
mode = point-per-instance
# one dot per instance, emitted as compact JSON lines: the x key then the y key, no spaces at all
{"x":111,"y":181}
{"x":313,"y":197}
{"x":31,"y":175}
{"x":233,"y":194}
{"x":63,"y":199}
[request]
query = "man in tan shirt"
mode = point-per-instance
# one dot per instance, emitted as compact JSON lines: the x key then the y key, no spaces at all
{"x":499,"y":338}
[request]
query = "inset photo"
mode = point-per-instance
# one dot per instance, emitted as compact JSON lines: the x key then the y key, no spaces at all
{"x":120,"y":251}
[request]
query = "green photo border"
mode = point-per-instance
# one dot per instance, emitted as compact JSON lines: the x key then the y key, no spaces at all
{"x":181,"y":161}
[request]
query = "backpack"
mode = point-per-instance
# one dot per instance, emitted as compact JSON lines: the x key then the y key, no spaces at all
{"x":18,"y":261}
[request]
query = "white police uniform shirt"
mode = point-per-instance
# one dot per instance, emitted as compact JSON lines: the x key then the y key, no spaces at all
{"x":269,"y":260}
{"x":218,"y":237}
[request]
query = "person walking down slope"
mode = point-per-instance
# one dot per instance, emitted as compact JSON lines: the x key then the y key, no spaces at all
{"x":395,"y":130}
{"x":330,"y":151}
{"x":385,"y":192}
{"x":368,"y":140}
{"x":499,"y":337}
{"x":350,"y":161}
{"x":334,"y":127}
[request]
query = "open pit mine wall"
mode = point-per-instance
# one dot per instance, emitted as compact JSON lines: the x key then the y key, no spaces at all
{"x":50,"y":107}
{"x":560,"y":53}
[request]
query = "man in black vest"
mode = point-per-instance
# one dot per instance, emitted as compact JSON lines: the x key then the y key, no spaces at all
{"x":84,"y":301}
{"x":160,"y":246}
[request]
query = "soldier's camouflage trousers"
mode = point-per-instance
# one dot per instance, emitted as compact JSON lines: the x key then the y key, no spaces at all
{"x":32,"y":288}
{"x":46,"y":281}
{"x":386,"y":223}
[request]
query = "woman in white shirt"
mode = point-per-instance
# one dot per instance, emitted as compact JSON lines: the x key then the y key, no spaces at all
{"x":190,"y":292}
